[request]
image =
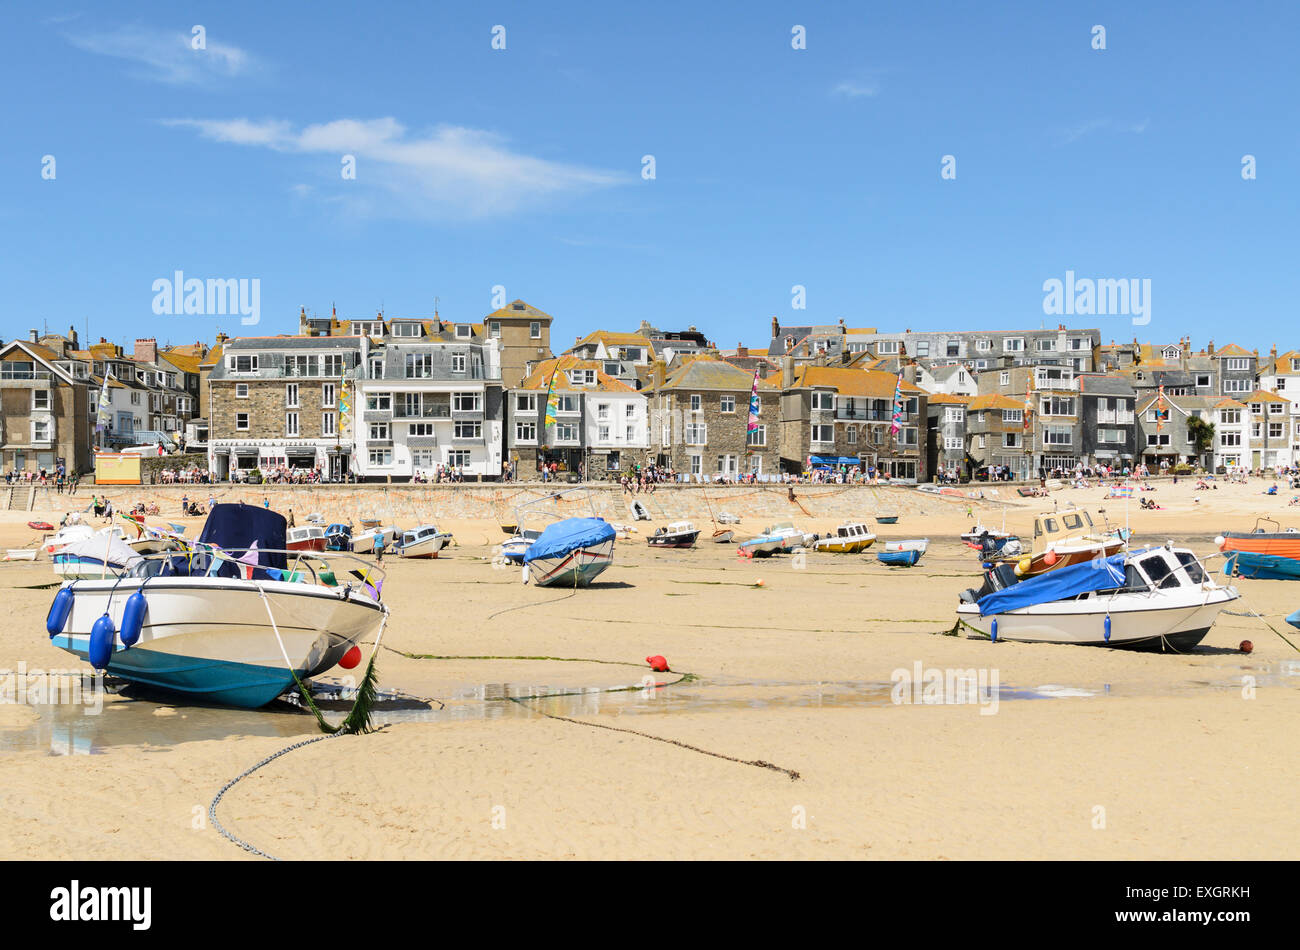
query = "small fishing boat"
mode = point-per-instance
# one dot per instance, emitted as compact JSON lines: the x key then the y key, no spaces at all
{"x":231,"y":621}
{"x":886,"y":519}
{"x":1067,"y":537}
{"x":364,"y":543}
{"x":792,"y":536}
{"x":423,"y":541}
{"x":570,"y":553}
{"x":723,"y":535}
{"x":979,"y":532}
{"x":40,"y":526}
{"x":1268,"y":555}
{"x":725,"y":517}
{"x":338,"y":537}
{"x":21,"y":554}
{"x":902,"y":553}
{"x":66,"y":535}
{"x":762,"y":546}
{"x":370,"y":522}
{"x":306,"y":537}
{"x":679,"y":534}
{"x":640,"y":512}
{"x":102,"y":555}
{"x":1158,"y":599}
{"x":513,"y":549}
{"x":849,"y":538}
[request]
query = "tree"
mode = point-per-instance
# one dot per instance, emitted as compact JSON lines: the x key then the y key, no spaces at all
{"x":1201,"y":432}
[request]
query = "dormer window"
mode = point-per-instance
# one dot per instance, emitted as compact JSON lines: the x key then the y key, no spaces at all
{"x":408,"y":329}
{"x":463,"y":331}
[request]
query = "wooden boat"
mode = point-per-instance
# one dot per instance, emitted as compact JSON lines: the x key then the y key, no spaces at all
{"x":1062,"y":538}
{"x":886,"y":519}
{"x":679,"y":534}
{"x":370,"y":522}
{"x":1155,"y":599}
{"x":902,"y":553}
{"x":306,"y":537}
{"x":723,"y":535}
{"x":1269,"y":555}
{"x":849,"y":538}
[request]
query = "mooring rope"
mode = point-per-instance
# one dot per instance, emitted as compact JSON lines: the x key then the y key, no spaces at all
{"x":1251,"y":612}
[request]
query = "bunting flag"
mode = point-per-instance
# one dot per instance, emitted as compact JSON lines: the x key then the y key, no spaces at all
{"x":1029,"y":404}
{"x":552,"y":397}
{"x":344,"y":403}
{"x":1161,"y":411}
{"x":104,"y":413}
{"x":753,"y":405}
{"x":895,"y":423}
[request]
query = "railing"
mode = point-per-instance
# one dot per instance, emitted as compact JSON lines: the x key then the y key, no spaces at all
{"x":434,"y":411}
{"x":10,"y":372}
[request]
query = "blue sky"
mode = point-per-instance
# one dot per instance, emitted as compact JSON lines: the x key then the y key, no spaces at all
{"x":774,"y":167}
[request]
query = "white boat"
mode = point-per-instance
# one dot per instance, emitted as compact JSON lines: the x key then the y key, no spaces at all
{"x":66,"y":535}
{"x":1154,"y":599}
{"x":679,"y":534}
{"x":764,"y":545}
{"x":849,"y":538}
{"x":979,"y":531}
{"x":570,"y":553}
{"x":305,"y":537}
{"x":794,"y":538}
{"x":102,"y":555}
{"x":227,"y":628}
{"x":21,"y":554}
{"x":424,"y":541}
{"x":723,"y":535}
{"x":364,"y":543}
{"x":514,"y":548}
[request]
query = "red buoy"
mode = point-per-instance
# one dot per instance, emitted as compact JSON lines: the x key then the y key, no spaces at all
{"x":351,"y":658}
{"x":658,"y":664}
{"x":1247,"y":646}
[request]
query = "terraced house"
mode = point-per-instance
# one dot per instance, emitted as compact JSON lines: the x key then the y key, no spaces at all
{"x":274,"y":402}
{"x":1281,"y":375}
{"x":1053,"y":439}
{"x":602,"y":424}
{"x":45,"y":411}
{"x":840,"y":416}
{"x":429,"y":397}
{"x":996,"y":433}
{"x":699,"y":415}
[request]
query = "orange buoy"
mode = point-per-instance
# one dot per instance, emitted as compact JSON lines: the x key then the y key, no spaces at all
{"x":351,"y":658}
{"x":658,"y":664}
{"x":1247,"y":646}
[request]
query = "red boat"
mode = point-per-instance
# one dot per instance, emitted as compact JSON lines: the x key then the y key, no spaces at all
{"x":308,"y":537}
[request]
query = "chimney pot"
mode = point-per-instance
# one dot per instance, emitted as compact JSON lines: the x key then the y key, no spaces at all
{"x":34,"y":336}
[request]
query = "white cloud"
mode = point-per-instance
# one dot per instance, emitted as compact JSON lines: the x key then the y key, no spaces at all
{"x":1075,"y":132}
{"x":451,"y":170}
{"x":168,"y":56}
{"x":856,"y":88}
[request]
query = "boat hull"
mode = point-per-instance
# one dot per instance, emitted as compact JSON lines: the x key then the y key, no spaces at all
{"x":428,"y":547}
{"x":686,"y":540}
{"x":1262,"y":566}
{"x":212,"y":639}
{"x":576,"y":568}
{"x":1134,"y":625}
{"x":761,"y":547}
{"x":311,"y":544}
{"x":1075,"y":555}
{"x":72,"y":567}
{"x":899,"y":558}
{"x":723,"y":536}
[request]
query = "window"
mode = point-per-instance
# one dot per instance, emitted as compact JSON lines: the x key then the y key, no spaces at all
{"x":1256,"y":409}
{"x":458,"y":458}
{"x":727,"y":404}
{"x":242,"y":364}
{"x":1013,"y":344}
{"x":697,"y":433}
{"x":494,"y":329}
{"x":983,"y":346}
{"x":40,"y":399}
{"x":458,"y":362}
{"x":566,"y":432}
{"x":1255,"y":430}
{"x":568,"y":403}
{"x":602,"y":433}
{"x":886,"y":347}
{"x":1230,"y":416}
{"x":300,"y":366}
{"x":757,"y":438}
{"x":466,"y":402}
{"x":629,"y":410}
{"x":1275,"y":409}
{"x":1057,"y":406}
{"x":1110,"y":435}
{"x":823,"y":399}
{"x":424,"y":458}
{"x":468,"y":429}
{"x":1004,"y":379}
{"x":420,"y":429}
{"x":332,"y":364}
{"x":241,"y":391}
{"x":369,"y":328}
{"x":1046,"y":346}
{"x":612,"y":369}
{"x":1203,"y":381}
{"x":381,"y":457}
{"x":851,"y":434}
{"x":328,"y":424}
{"x":241,"y":421}
{"x":377,"y":368}
{"x":907,"y":436}
{"x":407,"y":329}
{"x":631,"y":434}
{"x":535,"y":330}
{"x":697,"y":402}
{"x":291,"y":425}
{"x":1236,"y":385}
{"x":291,"y":396}
{"x":953,"y":414}
{"x":327,"y":396}
{"x":1238,"y":365}
{"x":1057,"y":435}
{"x":40,"y":430}
{"x":419,"y":365}
{"x":823,"y":434}
{"x":379,"y":402}
{"x":1010,"y":440}
{"x":697,"y":464}
{"x":1275,"y":430}
{"x":952,"y":444}
{"x":602,"y":411}
{"x":727,"y":465}
{"x":380,"y":432}
{"x":1013,"y":415}
{"x":464,"y":331}
{"x":922,"y":347}
{"x":1157,"y":439}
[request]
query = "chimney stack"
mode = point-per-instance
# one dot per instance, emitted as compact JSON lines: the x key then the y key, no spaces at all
{"x":146,"y":350}
{"x":72,"y":337}
{"x":787,"y":372}
{"x":742,"y":350}
{"x":33,"y":335}
{"x":1209,"y":348}
{"x":776,"y":328}
{"x":660,"y":374}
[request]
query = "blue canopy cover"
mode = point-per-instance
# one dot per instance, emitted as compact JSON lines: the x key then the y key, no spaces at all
{"x":569,"y":535}
{"x":1099,"y":574}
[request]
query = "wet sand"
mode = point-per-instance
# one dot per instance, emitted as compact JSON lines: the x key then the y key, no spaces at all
{"x":1091,"y":753}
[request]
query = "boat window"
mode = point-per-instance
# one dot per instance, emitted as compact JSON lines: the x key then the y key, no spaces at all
{"x":1072,"y":521}
{"x":1192,"y":567}
{"x":1050,"y":525}
{"x":1088,"y":518}
{"x":1157,"y":568}
{"x":1133,"y":580}
{"x":1038,"y":528}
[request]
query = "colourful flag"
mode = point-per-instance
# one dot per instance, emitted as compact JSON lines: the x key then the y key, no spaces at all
{"x":753,"y":405}
{"x":895,"y":424}
{"x":552,"y":397}
{"x":1029,"y":404}
{"x":1121,"y":491}
{"x":1161,"y":412}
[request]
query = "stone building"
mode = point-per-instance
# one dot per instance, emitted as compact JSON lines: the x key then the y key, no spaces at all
{"x":45,"y":411}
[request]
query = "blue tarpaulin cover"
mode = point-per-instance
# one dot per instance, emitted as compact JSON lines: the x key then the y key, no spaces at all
{"x":568,"y":535}
{"x":1100,"y":574}
{"x":237,"y":527}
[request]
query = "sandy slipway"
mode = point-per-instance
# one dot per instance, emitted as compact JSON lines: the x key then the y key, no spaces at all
{"x":1179,"y":755}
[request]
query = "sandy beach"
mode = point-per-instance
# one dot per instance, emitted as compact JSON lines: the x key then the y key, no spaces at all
{"x":1090,"y":753}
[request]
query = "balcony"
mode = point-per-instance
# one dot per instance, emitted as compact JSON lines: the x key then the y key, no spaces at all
{"x":857,"y":414}
{"x":376,"y":415}
{"x":433,"y":411}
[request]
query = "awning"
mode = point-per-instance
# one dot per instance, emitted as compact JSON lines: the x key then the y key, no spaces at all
{"x":834,"y":460}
